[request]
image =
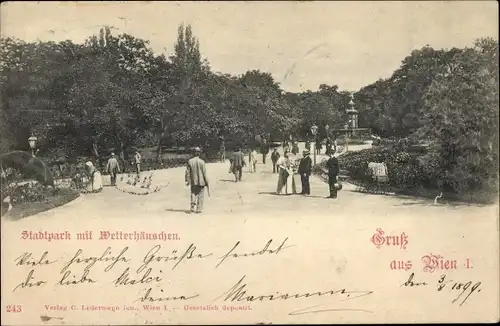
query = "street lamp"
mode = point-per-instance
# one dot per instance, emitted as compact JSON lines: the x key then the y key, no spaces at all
{"x":327,"y":138}
{"x":32,"y":141}
{"x":314,"y":131}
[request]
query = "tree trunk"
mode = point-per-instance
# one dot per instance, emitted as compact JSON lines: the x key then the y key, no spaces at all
{"x":161,"y":134}
{"x":96,"y":153}
{"x":122,"y":153}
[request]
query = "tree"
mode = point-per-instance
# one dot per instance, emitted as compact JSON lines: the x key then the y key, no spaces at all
{"x":461,"y":118}
{"x":393,"y":107}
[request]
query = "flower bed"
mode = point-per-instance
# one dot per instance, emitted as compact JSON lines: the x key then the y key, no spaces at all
{"x":33,"y":198}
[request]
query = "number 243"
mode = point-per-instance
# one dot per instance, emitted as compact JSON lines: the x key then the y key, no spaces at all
{"x":14,"y":308}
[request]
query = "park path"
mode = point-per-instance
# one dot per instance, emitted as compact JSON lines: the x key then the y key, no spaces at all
{"x":255,"y":195}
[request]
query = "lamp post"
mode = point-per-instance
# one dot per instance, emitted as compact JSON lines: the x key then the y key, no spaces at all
{"x":314,"y":131}
{"x":327,"y":138}
{"x":32,"y":141}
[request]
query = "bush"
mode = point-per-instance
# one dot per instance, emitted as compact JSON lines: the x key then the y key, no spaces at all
{"x":408,"y":171}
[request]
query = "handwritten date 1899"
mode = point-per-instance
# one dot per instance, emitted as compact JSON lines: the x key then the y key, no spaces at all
{"x":464,"y":289}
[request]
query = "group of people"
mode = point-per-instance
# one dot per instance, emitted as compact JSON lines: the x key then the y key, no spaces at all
{"x":93,"y":178}
{"x":330,"y":144}
{"x":285,"y":166}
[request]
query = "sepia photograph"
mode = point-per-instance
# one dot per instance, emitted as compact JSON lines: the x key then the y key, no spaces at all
{"x":240,"y":162}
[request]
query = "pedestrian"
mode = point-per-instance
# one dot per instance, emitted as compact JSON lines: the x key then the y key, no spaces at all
{"x":308,"y":145}
{"x":286,"y":147}
{"x":137,"y":162}
{"x":333,"y":171}
{"x":274,"y":158}
{"x":295,"y":148}
{"x":328,"y":145}
{"x":284,"y":172}
{"x":253,"y":160}
{"x":317,"y":148}
{"x":238,"y":164}
{"x":196,"y":178}
{"x":95,"y":178}
{"x":305,"y":169}
{"x":222,"y":151}
{"x":113,"y":168}
{"x":264,"y":150}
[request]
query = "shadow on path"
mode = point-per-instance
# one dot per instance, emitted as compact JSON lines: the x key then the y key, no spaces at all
{"x":185,"y":211}
{"x":268,"y":193}
{"x":226,"y":180}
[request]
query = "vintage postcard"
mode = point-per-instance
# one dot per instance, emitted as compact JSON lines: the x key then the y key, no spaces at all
{"x":267,"y":162}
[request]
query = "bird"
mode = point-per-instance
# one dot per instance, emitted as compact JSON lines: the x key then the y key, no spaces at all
{"x":437,"y":197}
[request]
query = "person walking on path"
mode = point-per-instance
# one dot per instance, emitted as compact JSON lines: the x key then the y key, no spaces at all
{"x":253,"y":160}
{"x":264,"y":150}
{"x":222,"y":151}
{"x":274,"y":158}
{"x":113,"y":168}
{"x":333,"y":171}
{"x":305,"y":169}
{"x":295,"y":148}
{"x":137,"y":162}
{"x":328,"y":145}
{"x":317,"y":146}
{"x":196,"y":178}
{"x":238,"y":164}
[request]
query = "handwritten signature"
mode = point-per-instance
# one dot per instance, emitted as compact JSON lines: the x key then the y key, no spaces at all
{"x":238,"y":293}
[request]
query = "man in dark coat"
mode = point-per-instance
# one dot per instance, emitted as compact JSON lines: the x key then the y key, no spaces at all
{"x":333,"y":171}
{"x":305,"y":169}
{"x":238,"y":164}
{"x":264,"y":150}
{"x":328,"y":145}
{"x":317,"y":147}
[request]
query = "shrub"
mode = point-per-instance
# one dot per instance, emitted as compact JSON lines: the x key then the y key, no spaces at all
{"x":416,"y":170}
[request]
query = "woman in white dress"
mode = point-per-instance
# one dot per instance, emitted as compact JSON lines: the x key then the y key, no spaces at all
{"x":285,"y":174}
{"x":95,"y":178}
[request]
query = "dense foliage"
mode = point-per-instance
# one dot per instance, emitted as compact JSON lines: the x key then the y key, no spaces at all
{"x":113,"y":93}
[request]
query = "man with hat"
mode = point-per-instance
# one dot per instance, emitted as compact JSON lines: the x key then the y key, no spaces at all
{"x":238,"y":164}
{"x":196,"y":177}
{"x":137,"y":162}
{"x":113,"y":168}
{"x":305,"y":169}
{"x":333,"y":171}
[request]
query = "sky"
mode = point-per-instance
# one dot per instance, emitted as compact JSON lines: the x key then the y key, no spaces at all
{"x":303,"y":44}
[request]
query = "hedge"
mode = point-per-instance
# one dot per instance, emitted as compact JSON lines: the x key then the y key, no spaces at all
{"x":411,"y":173}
